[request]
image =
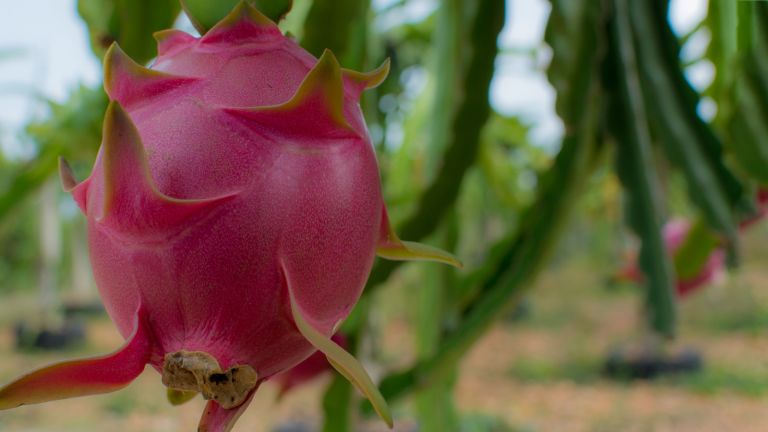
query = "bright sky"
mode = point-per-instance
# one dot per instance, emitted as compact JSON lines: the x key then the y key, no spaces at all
{"x":54,"y":57}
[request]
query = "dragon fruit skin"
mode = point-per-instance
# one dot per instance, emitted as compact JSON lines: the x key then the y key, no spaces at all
{"x":674,"y":234}
{"x":234,"y":213}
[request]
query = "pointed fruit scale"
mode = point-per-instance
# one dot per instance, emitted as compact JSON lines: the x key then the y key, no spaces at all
{"x":318,"y":102}
{"x":171,"y":40}
{"x":243,"y":23}
{"x":342,"y":361}
{"x":131,"y":201}
{"x":130,"y":83}
{"x":360,"y":81}
{"x":392,"y":248}
{"x":83,"y":377}
{"x":217,"y":419}
{"x":79,"y":191}
{"x":66,"y":175}
{"x":412,"y":251}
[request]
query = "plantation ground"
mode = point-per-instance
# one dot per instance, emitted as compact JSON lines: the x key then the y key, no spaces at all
{"x":538,"y":374}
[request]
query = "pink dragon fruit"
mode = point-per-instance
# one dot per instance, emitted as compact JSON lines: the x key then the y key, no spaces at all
{"x":234,"y":213}
{"x":674,"y":234}
{"x":761,"y":199}
{"x":313,"y":367}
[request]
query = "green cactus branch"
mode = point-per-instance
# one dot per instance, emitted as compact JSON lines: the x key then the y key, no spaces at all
{"x":128,"y":22}
{"x":515,"y":260}
{"x":516,"y":263}
{"x":630,"y":129}
{"x":672,"y":104}
{"x":338,"y":25}
{"x":743,"y":86}
{"x":204,"y":14}
{"x":471,"y":115}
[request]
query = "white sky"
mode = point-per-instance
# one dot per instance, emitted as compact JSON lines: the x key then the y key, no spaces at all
{"x":55,"y":57}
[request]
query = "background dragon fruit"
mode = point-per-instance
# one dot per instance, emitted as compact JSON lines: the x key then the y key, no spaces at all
{"x":234,"y":213}
{"x":674,"y":234}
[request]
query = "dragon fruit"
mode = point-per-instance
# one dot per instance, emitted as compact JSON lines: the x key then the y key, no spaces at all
{"x":674,"y":234}
{"x":234,"y":213}
{"x":761,"y":199}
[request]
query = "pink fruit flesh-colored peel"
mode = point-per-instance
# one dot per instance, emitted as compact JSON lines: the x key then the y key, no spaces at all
{"x":236,"y":198}
{"x":674,"y":234}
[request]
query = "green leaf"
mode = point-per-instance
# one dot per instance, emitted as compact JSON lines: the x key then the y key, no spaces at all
{"x":204,"y":14}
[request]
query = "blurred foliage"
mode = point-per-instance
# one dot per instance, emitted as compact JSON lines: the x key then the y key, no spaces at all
{"x":349,"y":19}
{"x":20,"y":252}
{"x":73,"y":130}
{"x":630,"y":128}
{"x":130,"y":23}
{"x":743,"y":85}
{"x":204,"y":14}
{"x":467,"y":177}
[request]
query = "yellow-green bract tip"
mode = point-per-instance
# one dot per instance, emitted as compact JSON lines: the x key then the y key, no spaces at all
{"x":342,"y":361}
{"x":370,"y":79}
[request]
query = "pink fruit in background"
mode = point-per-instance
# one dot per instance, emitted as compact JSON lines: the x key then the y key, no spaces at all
{"x":674,"y":234}
{"x":234,"y":213}
{"x":761,"y":199}
{"x":313,"y":367}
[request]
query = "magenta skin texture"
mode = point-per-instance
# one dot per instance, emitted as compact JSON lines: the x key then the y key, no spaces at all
{"x":295,"y":203}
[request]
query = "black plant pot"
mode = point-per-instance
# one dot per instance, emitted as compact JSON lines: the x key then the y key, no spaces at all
{"x":628,"y":364}
{"x":70,"y":334}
